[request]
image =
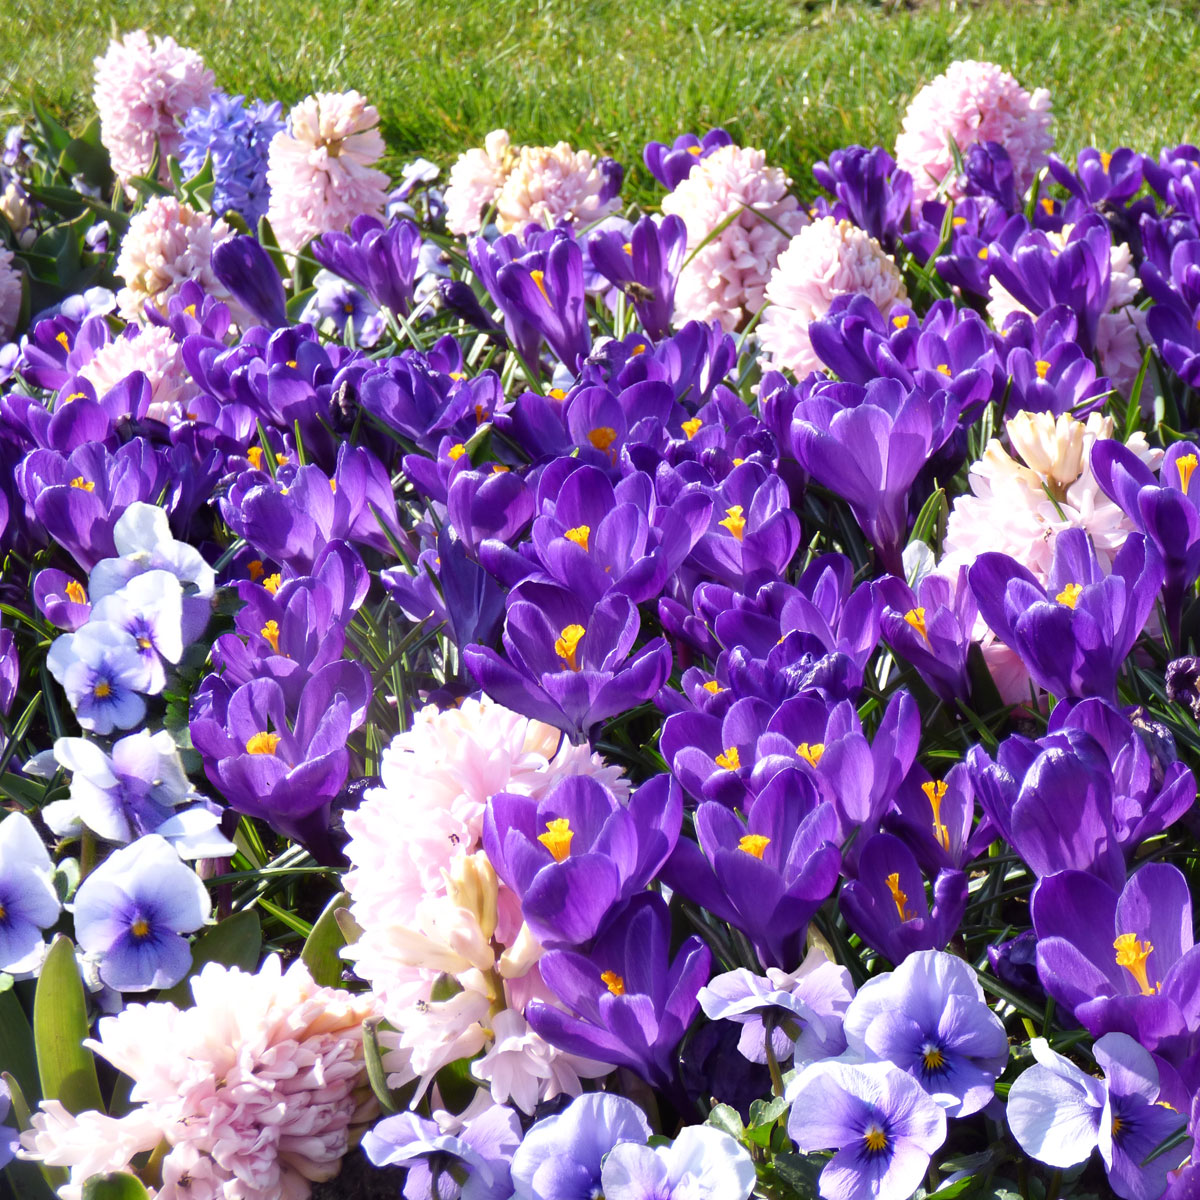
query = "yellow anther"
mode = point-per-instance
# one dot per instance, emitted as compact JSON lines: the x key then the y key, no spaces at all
{"x":579,"y":535}
{"x":1042,"y":366}
{"x":144,"y":643}
{"x":456,"y":452}
{"x":695,"y":150}
{"x":75,"y":592}
{"x":75,"y":396}
{"x":140,"y":928}
{"x":1105,"y":161}
{"x":291,"y":362}
{"x":1185,"y":464}
{"x":811,"y":752}
{"x":63,"y":341}
{"x":613,"y":982}
{"x":692,"y":427}
{"x":899,"y":897}
{"x":254,"y":456}
{"x":734,"y":521}
{"x":640,"y":348}
{"x":712,"y":686}
{"x":281,"y":460}
{"x":944,"y":368}
{"x":84,"y":485}
{"x":958,"y":222}
{"x":333,"y":486}
{"x":263,"y":743}
{"x":568,"y":643}
{"x":499,"y":468}
{"x":628,"y":248}
{"x":1070,"y":594}
{"x":537,"y":277}
{"x":347,"y":307}
{"x":557,"y":394}
{"x":602,"y":437}
{"x":255,"y":569}
{"x":272,"y":582}
{"x":933,"y":1058}
{"x":916,"y":618}
{"x":875,"y":1139}
{"x":1132,"y":955}
{"x":190,"y":310}
{"x":729,"y":760}
{"x":557,"y":838}
{"x":102,"y":690}
{"x":900,"y":320}
{"x":983,"y":252}
{"x":737,"y":462}
{"x":1048,"y":206}
{"x":458,"y":375}
{"x":935,"y":793}
{"x":754,"y":844}
{"x":270,"y":631}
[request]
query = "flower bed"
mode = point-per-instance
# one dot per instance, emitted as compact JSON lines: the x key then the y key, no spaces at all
{"x":513,"y":695}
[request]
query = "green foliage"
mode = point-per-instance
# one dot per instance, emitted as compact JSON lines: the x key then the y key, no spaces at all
{"x":60,"y":1023}
{"x":114,"y":1187}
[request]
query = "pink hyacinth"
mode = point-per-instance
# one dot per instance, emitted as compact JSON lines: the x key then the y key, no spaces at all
{"x":726,"y":280}
{"x":167,"y":244}
{"x":824,"y":260}
{"x":972,"y":102}
{"x":143,"y":90}
{"x":259,"y":1096}
{"x":475,"y":182}
{"x":155,"y":353}
{"x":549,"y":184}
{"x":10,"y":294}
{"x":321,"y":168}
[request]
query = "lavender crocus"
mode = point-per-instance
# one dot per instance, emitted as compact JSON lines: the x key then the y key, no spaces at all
{"x":1059,"y":1115}
{"x":627,"y":1001}
{"x":701,"y":1164}
{"x":470,"y":1164}
{"x":879,"y":1119}
{"x":1074,"y":634}
{"x":929,"y":1017}
{"x":560,"y":1157}
{"x":804,"y":1008}
{"x":576,"y":853}
{"x":28,"y":900}
{"x":132,"y":911}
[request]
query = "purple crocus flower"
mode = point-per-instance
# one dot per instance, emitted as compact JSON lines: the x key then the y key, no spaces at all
{"x":1175,"y":287}
{"x":249,"y":274}
{"x":28,"y":900}
{"x":10,"y":670}
{"x":1121,"y":962}
{"x":768,"y":874}
{"x":936,"y":818}
{"x":870,"y":453}
{"x":1059,"y":1114}
{"x":1075,"y":634}
{"x":132,"y":910}
{"x":701,"y":1164}
{"x":932,"y":627}
{"x":672,"y":164}
{"x":1100,"y":177}
{"x":567,"y":664}
{"x":627,"y":1001}
{"x":577,"y":853}
{"x":380,"y":260}
{"x":929,"y":1017}
{"x":1163,"y":509}
{"x":470,"y":1164}
{"x":645,"y":266}
{"x":805,"y":1008}
{"x":879,"y":1119}
{"x":561,"y":1156}
{"x":886,"y":904}
{"x":871,"y":191}
{"x":266,"y":764}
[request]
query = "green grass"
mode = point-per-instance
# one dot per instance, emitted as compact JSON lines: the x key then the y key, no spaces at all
{"x":797,"y":78}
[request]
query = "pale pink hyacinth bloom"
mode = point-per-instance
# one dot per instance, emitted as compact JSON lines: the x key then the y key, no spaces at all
{"x":1121,"y":332}
{"x":143,"y":90}
{"x":972,"y":102}
{"x":475,"y":182}
{"x":155,"y":353}
{"x":10,"y":294}
{"x":726,"y":280}
{"x":167,"y":244}
{"x":264,"y":1084}
{"x":549,"y":184}
{"x":321,"y":169}
{"x":824,"y":260}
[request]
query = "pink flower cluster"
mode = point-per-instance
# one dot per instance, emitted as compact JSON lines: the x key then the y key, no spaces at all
{"x":321,"y":169}
{"x":154,"y":352}
{"x":972,"y":102}
{"x":143,"y":90}
{"x":257,"y":1096}
{"x":824,"y":260}
{"x":734,"y":191}
{"x":429,"y":904}
{"x":475,"y":181}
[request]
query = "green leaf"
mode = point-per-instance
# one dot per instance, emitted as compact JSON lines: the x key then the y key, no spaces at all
{"x":235,"y":942}
{"x":726,"y":1119}
{"x":30,"y":1181}
{"x":376,"y":1075}
{"x":16,"y":1046}
{"x":65,"y":1066}
{"x":115,"y":1187}
{"x":320,"y":953}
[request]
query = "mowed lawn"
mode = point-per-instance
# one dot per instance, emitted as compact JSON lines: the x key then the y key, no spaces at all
{"x":796,"y":78}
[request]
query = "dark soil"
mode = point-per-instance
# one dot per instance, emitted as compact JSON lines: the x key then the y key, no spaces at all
{"x":361,"y":1181}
